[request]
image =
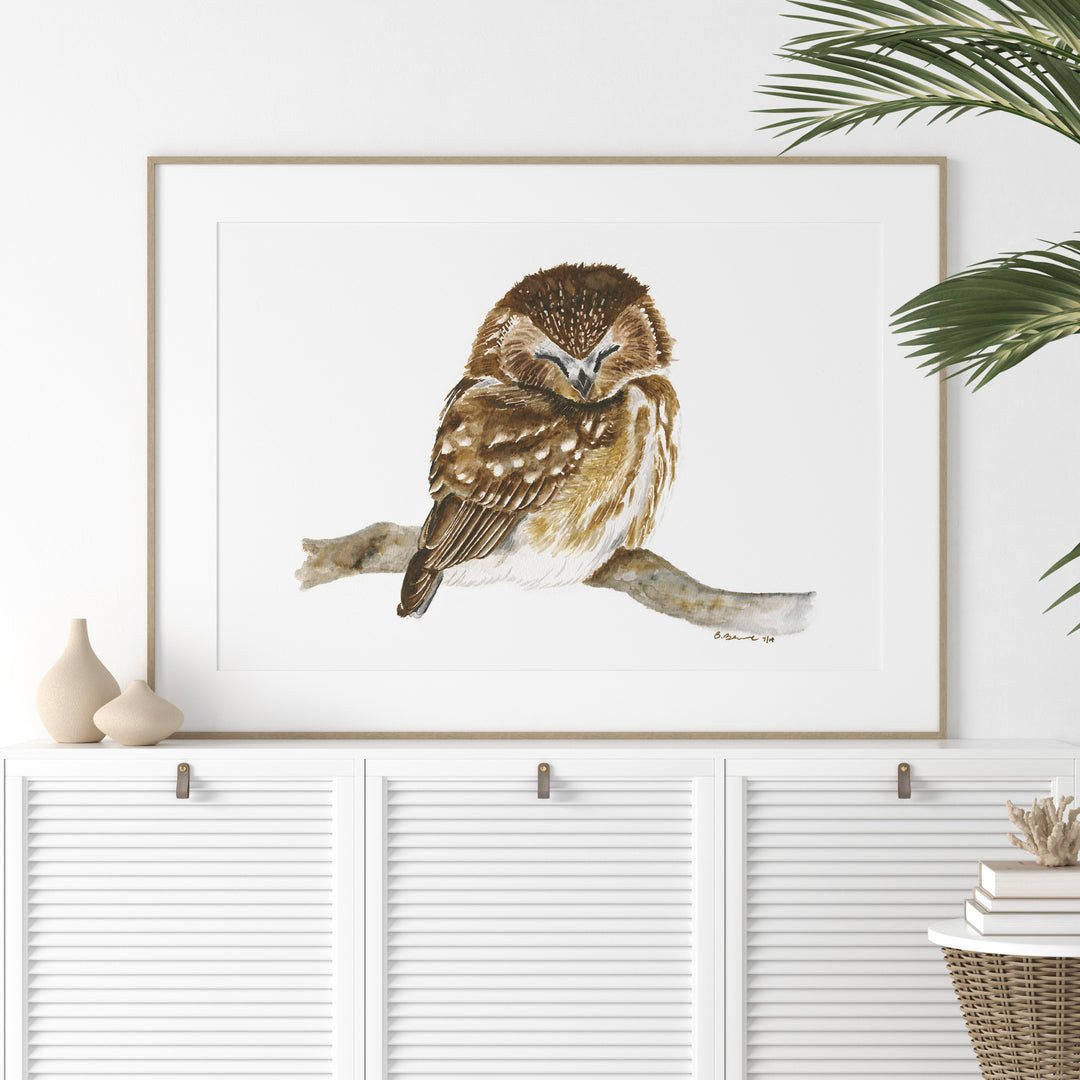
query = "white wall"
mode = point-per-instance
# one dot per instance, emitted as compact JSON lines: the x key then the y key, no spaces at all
{"x":90,"y":89}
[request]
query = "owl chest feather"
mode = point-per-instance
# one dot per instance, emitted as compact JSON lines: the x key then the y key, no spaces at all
{"x":612,"y":499}
{"x":615,"y":499}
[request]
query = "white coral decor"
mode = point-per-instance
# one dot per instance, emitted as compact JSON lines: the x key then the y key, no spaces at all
{"x":1050,"y":834}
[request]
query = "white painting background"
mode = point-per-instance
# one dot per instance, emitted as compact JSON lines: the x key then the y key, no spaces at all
{"x":338,"y":342}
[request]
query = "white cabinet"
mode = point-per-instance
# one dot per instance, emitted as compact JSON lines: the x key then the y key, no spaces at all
{"x":339,"y":910}
{"x":566,"y":938}
{"x":832,"y":881}
{"x":204,"y":937}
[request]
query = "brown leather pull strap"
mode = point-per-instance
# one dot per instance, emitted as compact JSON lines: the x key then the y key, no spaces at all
{"x":903,"y":780}
{"x":543,"y":780}
{"x":183,"y":780}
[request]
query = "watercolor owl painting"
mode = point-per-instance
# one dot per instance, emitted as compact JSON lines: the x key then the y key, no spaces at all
{"x":545,"y":447}
{"x":553,"y":458}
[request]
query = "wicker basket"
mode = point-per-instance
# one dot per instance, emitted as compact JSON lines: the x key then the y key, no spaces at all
{"x":1022,"y":1013}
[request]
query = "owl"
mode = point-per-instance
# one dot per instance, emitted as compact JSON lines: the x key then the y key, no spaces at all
{"x":558,"y":445}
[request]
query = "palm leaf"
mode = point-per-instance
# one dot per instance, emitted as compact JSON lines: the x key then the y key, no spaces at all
{"x":1063,"y":561}
{"x":879,"y":58}
{"x":1054,"y":23}
{"x":991,"y":316}
{"x":911,"y":56}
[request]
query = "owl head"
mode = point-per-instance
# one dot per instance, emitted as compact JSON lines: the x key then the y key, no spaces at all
{"x":580,"y":331}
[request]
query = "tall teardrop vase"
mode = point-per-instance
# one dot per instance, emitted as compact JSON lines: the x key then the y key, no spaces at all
{"x":73,"y":689}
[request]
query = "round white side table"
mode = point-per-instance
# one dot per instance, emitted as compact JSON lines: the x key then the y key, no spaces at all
{"x":1020,"y":997}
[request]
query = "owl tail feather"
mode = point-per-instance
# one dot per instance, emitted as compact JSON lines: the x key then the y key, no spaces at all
{"x":419,"y":587}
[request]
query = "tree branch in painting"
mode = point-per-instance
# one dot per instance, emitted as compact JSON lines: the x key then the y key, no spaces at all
{"x":385,"y":548}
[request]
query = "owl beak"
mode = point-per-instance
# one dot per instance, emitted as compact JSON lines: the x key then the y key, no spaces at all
{"x":580,"y":374}
{"x":583,"y":376}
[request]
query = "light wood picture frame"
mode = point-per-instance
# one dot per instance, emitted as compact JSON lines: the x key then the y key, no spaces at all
{"x":307,"y":318}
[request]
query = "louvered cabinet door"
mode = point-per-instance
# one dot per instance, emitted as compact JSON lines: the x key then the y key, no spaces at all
{"x":568,"y":938}
{"x":207,"y":937}
{"x":832,"y":882}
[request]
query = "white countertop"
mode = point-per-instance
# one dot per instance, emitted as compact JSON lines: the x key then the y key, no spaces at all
{"x":732,"y":749}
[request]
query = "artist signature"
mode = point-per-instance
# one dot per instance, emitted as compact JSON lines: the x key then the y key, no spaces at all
{"x":768,"y":639}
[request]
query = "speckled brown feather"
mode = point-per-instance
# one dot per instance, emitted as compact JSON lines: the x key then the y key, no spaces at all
{"x":501,"y":453}
{"x":532,"y":298}
{"x":574,"y":303}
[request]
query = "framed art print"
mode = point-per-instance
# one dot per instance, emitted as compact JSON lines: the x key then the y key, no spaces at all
{"x":529,"y":447}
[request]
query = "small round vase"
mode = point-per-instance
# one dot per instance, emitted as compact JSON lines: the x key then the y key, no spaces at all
{"x":73,"y":689}
{"x":138,"y":717}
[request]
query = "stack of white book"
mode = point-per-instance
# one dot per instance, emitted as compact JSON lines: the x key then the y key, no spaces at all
{"x":1025,"y":898}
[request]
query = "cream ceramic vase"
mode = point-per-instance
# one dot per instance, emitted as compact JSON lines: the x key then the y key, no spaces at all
{"x":138,"y":717}
{"x":73,"y":689}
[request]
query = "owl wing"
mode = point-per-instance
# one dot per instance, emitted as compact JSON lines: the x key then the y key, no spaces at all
{"x":501,"y":453}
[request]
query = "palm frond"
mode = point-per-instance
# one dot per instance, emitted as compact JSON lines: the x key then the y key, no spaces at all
{"x":1055,"y":23}
{"x":870,"y":59}
{"x":1020,"y":57}
{"x":1069,"y":593}
{"x":988,"y":318}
